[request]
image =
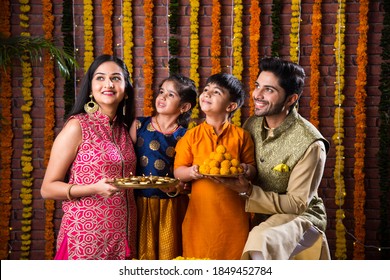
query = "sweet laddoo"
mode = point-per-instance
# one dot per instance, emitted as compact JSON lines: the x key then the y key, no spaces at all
{"x":220,"y":162}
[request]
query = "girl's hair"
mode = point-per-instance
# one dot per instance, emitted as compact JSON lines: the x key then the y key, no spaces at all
{"x":86,"y":89}
{"x":232,"y":84}
{"x":188,"y":93}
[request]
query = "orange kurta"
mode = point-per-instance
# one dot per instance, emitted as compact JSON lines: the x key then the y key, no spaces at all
{"x":216,"y":225}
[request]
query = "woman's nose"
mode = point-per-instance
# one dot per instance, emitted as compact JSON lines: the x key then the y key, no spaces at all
{"x":109,"y":84}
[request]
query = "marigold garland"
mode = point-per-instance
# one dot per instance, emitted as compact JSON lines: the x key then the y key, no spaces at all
{"x":254,"y":37}
{"x":88,"y":33}
{"x":107,"y":11}
{"x":26,"y":158}
{"x":148,"y":53}
{"x":294,"y":33}
{"x":6,"y":138}
{"x":360,"y":126}
{"x":48,"y":82}
{"x":194,"y":58}
{"x":315,"y":62}
{"x":338,"y":137}
{"x":238,"y":65}
{"x":128,"y":35}
{"x":216,"y":38}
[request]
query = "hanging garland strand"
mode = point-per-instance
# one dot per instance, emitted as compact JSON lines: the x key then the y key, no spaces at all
{"x":148,"y":53}
{"x":128,"y":36}
{"x":254,"y":37}
{"x":315,"y":62}
{"x":107,"y":11}
{"x":26,"y":158}
{"x":338,"y":137}
{"x":194,"y":59}
{"x":276,"y":28}
{"x":88,"y":34}
{"x":216,"y":38}
{"x":48,"y":83}
{"x":6,"y":151}
{"x":384,"y":141}
{"x":294,"y":33}
{"x":360,"y":118}
{"x":238,"y":65}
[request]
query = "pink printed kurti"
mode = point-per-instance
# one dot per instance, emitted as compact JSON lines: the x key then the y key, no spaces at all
{"x":96,"y":227}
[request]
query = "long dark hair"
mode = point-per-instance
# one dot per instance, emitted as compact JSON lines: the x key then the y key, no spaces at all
{"x":188,"y":93}
{"x":86,"y":89}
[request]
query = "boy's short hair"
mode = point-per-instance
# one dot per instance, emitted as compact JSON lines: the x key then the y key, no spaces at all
{"x":232,"y":84}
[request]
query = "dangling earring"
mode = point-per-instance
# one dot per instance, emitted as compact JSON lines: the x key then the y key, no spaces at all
{"x":91,"y":107}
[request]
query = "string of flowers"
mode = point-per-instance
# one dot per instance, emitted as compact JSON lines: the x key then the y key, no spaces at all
{"x":294,"y":33}
{"x":276,"y":27}
{"x":148,"y":53}
{"x":6,"y":138}
{"x":384,"y":129}
{"x":238,"y":65}
{"x":107,"y":11}
{"x":194,"y":58}
{"x":88,"y":33}
{"x":338,"y":136}
{"x":216,"y":37}
{"x":48,"y":83}
{"x":26,"y":158}
{"x":254,"y":37}
{"x":128,"y":35}
{"x":360,"y":126}
{"x":315,"y":62}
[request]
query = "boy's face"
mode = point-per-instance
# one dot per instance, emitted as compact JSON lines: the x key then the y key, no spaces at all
{"x":216,"y":100}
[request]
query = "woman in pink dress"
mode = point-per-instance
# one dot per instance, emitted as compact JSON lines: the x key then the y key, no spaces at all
{"x":94,"y":147}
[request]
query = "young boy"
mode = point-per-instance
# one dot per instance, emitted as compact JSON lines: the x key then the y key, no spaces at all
{"x":216,"y":225}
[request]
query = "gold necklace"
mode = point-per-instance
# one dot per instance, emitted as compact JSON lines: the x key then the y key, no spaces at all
{"x":159,"y":128}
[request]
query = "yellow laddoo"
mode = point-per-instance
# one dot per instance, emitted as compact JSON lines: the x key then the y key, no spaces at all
{"x":228,"y":156}
{"x":233,"y":170}
{"x":214,"y":163}
{"x":225,"y":171}
{"x":240,"y":169}
{"x":207,"y":161}
{"x":219,"y":157}
{"x":204,"y":169}
{"x":235,"y":162}
{"x":226,"y":164}
{"x":214,"y":171}
{"x":221,"y":149}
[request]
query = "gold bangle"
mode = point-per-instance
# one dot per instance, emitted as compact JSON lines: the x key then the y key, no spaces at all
{"x":68,"y":195}
{"x":174,"y":195}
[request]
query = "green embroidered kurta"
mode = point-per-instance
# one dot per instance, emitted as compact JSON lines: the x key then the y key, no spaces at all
{"x":286,"y":196}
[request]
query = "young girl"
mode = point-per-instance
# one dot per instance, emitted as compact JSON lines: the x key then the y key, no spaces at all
{"x":216,"y":225}
{"x":160,"y":214}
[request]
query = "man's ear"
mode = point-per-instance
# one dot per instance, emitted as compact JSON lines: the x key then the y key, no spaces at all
{"x":292,"y":99}
{"x":232,"y":106}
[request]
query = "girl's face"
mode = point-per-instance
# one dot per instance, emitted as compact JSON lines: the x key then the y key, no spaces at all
{"x":108,"y":85}
{"x":215,"y":100}
{"x":168,"y":99}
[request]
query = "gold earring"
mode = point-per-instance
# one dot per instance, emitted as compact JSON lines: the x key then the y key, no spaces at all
{"x":91,"y":107}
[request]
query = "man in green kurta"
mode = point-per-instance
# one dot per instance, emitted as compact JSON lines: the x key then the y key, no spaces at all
{"x":290,"y":158}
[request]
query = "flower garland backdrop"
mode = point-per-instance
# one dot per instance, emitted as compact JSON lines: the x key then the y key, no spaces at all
{"x":360,"y":130}
{"x":88,"y":33}
{"x":294,"y":33}
{"x":338,"y":136}
{"x":48,"y":83}
{"x":6,"y":150}
{"x":148,"y":66}
{"x":26,"y":158}
{"x":216,"y":38}
{"x":128,"y":36}
{"x":107,"y":11}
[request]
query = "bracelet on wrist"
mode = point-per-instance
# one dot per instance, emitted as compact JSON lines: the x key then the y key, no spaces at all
{"x":68,"y":194}
{"x":248,"y":192}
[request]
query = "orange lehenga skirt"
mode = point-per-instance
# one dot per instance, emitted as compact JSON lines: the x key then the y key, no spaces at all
{"x":159,"y":227}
